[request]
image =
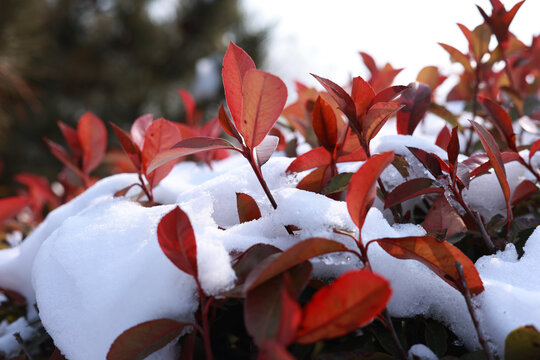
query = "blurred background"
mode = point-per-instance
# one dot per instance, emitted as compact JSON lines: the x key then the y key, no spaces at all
{"x":123,"y":58}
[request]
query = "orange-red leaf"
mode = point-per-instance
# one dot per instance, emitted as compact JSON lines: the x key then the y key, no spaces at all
{"x":443,"y":216}
{"x":316,"y":180}
{"x":325,"y":124}
{"x":344,"y":100}
{"x":236,"y":64}
{"x":139,"y":341}
{"x":92,"y":136}
{"x":264,"y":96}
{"x":279,"y":263}
{"x":350,"y":302}
{"x":227,"y":124}
{"x":247,"y":208}
{"x":362,"y":94}
{"x":189,"y":106}
{"x":177,"y":241}
{"x":376,"y":118}
{"x":458,"y":56}
{"x":439,"y":257}
{"x":363,"y":186}
{"x":314,"y":158}
{"x":160,"y":136}
{"x":11,"y":206}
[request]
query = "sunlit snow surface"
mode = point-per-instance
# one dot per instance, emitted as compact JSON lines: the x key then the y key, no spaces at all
{"x":98,"y":268}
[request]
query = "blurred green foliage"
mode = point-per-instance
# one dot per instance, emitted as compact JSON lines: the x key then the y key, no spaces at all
{"x":60,"y":58}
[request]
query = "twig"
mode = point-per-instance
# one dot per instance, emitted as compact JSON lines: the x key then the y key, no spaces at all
{"x":20,"y":341}
{"x":467,"y":294}
{"x":390,"y":326}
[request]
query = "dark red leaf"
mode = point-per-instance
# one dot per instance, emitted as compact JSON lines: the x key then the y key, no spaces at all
{"x":453,"y":153}
{"x":443,"y":138}
{"x":188,"y":147}
{"x":344,"y":100}
{"x":139,"y":341}
{"x":129,"y":147}
{"x":264,"y":97}
{"x":485,"y":166}
{"x":14,"y":296}
{"x":523,"y":191}
{"x":376,"y":118}
{"x":236,"y":64}
{"x":351,"y":301}
{"x":270,"y":310}
{"x":92,"y":136}
{"x":369,"y":62}
{"x":388,"y":94}
{"x":177,"y":240}
{"x":279,"y":263}
{"x":502,"y":121}
{"x":411,"y":189}
{"x":57,"y":355}
{"x":534,"y":148}
{"x":139,"y":127}
{"x":314,"y":158}
{"x":443,"y":216}
{"x":440,"y":257}
{"x":247,"y":208}
{"x":492,"y":150}
{"x":271,"y":350}
{"x":431,"y":162}
{"x":362,"y":94}
{"x":416,"y":100}
{"x":61,"y":154}
{"x":363,"y":186}
{"x":72,"y":140}
{"x":325,"y":124}
{"x":160,"y":136}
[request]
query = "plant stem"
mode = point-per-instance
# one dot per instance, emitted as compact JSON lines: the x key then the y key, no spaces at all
{"x":466,"y":293}
{"x":145,"y":189}
{"x":23,"y":346}
{"x":205,"y":306}
{"x":474,"y":109}
{"x":258,"y":174}
{"x":390,"y":326}
{"x":529,"y":167}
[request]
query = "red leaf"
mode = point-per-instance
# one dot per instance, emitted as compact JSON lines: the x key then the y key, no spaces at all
{"x":14,"y":296}
{"x":189,"y":106}
{"x":357,"y":155}
{"x":363,"y":186}
{"x":443,"y":138}
{"x":439,"y":257}
{"x":129,"y":147}
{"x":458,"y":56}
{"x":325,"y":124}
{"x":57,"y":355}
{"x":39,"y":191}
{"x":362,"y":94}
{"x":316,"y":180}
{"x":227,"y":124}
{"x":139,"y":341}
{"x":388,"y":94}
{"x":453,"y":153}
{"x":411,"y":189}
{"x":188,"y":147}
{"x":351,"y":301}
{"x":501,"y":120}
{"x":369,"y":62}
{"x":376,"y":118}
{"x":270,"y":311}
{"x":72,"y":140}
{"x":236,"y":64}
{"x":92,"y":136}
{"x":314,"y":158}
{"x":279,"y":263}
{"x":525,"y":189}
{"x":443,"y":216}
{"x":492,"y":150}
{"x":344,"y":101}
{"x":247,"y":208}
{"x":61,"y":154}
{"x":264,"y":97}
{"x":160,"y":136}
{"x":486,"y":165}
{"x":534,"y":148}
{"x":139,"y":127}
{"x":177,"y":240}
{"x":416,"y":100}
{"x":431,"y":162}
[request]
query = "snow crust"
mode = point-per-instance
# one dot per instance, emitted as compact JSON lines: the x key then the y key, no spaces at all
{"x":95,"y":268}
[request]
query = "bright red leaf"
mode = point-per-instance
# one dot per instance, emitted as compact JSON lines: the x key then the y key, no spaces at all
{"x":247,"y":208}
{"x":443,"y":138}
{"x":344,"y":100}
{"x":416,"y":100}
{"x":363,"y":186}
{"x":130,"y":148}
{"x":351,"y":301}
{"x":11,"y":206}
{"x":92,"y":136}
{"x":325,"y":124}
{"x":177,"y":240}
{"x":312,"y":159}
{"x":411,"y":189}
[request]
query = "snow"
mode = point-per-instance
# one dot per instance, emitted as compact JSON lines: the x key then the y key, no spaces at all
{"x":421,"y":352}
{"x":8,"y":345}
{"x":95,"y":268}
